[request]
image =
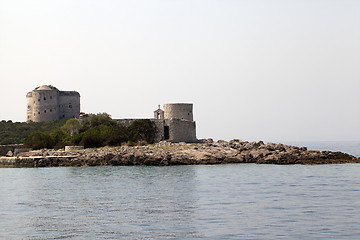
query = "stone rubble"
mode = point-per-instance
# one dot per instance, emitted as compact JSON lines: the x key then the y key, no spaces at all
{"x":205,"y":152}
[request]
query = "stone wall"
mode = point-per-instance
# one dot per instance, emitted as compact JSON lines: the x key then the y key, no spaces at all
{"x":181,"y":131}
{"x":47,"y":103}
{"x":183,"y":111}
{"x":125,"y":122}
{"x":42,"y":105}
{"x":73,"y":148}
{"x":174,"y":124}
{"x":69,"y":104}
{"x":159,"y":124}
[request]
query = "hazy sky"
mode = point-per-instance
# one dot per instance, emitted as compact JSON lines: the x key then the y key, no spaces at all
{"x":280,"y":70}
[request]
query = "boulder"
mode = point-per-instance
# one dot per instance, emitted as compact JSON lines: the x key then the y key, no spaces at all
{"x":9,"y":154}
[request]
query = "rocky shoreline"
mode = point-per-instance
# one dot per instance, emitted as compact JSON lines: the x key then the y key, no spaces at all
{"x":166,"y":153}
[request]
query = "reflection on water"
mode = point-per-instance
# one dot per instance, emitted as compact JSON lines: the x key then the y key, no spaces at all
{"x":99,"y":202}
{"x":238,"y":201}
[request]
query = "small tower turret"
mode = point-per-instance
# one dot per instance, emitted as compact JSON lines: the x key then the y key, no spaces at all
{"x":159,"y":113}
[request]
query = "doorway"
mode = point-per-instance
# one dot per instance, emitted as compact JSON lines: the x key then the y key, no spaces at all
{"x":166,"y":133}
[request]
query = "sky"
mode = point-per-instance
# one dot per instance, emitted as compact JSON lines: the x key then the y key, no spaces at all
{"x":280,"y":70}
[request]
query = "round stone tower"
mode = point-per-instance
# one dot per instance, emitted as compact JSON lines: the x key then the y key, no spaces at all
{"x":183,"y":111}
{"x":43,"y":104}
{"x":47,"y":103}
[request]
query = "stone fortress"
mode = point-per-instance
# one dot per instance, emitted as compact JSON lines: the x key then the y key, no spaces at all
{"x":175,"y":123}
{"x":46,"y":103}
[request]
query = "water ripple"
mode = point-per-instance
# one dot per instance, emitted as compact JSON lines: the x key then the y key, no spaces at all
{"x":237,"y":201}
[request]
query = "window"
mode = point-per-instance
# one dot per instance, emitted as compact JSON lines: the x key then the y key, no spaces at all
{"x":63,"y":116}
{"x":50,"y":110}
{"x":34,"y":114}
{"x":28,"y":117}
{"x":29,"y":107}
{"x":38,"y":99}
{"x":38,"y":112}
{"x":70,"y":106}
{"x":44,"y":111}
{"x":44,"y":98}
{"x":50,"y":97}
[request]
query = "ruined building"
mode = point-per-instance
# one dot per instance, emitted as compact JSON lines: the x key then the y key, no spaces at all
{"x":47,"y":103}
{"x":175,"y":123}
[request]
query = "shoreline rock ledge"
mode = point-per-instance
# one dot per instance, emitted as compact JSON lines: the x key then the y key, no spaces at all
{"x":166,"y":153}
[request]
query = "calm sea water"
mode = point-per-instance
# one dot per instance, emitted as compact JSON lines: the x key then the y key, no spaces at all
{"x":235,"y":201}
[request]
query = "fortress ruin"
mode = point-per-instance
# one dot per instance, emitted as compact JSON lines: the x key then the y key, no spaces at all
{"x":175,"y":123}
{"x":46,"y":103}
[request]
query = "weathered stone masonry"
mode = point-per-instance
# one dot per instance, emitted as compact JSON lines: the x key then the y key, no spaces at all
{"x":47,"y":103}
{"x":174,"y":123}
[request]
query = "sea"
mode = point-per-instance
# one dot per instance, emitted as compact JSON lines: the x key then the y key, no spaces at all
{"x":230,"y":201}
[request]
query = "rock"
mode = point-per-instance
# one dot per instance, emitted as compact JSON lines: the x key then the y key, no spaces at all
{"x":167,"y":153}
{"x":9,"y":154}
{"x":73,"y":148}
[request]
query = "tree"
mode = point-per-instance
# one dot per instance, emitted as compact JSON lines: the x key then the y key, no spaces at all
{"x":142,"y":130}
{"x":92,"y":138}
{"x":60,"y":138}
{"x":72,"y":126}
{"x":97,"y":120}
{"x":96,"y":131}
{"x":39,"y":140}
{"x":17,"y":132}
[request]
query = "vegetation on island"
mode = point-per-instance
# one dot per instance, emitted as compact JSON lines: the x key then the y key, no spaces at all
{"x":95,"y":131}
{"x":17,"y":132}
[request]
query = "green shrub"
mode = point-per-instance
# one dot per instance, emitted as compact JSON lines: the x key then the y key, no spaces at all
{"x":116,"y":136}
{"x":92,"y":138}
{"x":39,"y":140}
{"x":17,"y":132}
{"x":61,"y":138}
{"x":142,"y":130}
{"x":96,"y":131}
{"x":97,"y":120}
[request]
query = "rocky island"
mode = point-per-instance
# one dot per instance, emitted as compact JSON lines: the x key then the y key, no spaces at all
{"x":167,"y":153}
{"x":171,"y":132}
